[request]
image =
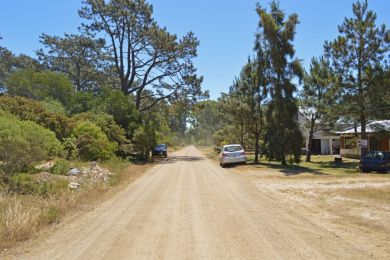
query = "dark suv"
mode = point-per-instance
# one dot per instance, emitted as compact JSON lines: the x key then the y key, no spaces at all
{"x":375,"y":161}
{"x":160,"y":150}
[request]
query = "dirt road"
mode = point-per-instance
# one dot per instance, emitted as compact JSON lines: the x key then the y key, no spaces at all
{"x":187,"y":207}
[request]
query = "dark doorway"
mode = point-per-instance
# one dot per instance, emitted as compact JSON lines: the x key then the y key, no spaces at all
{"x":316,"y":146}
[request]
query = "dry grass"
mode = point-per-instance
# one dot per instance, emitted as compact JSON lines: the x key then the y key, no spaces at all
{"x":370,"y":195}
{"x":22,"y":217}
{"x":17,"y":222}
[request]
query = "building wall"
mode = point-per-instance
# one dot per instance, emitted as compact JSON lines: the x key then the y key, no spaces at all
{"x":356,"y":151}
{"x":325,"y":146}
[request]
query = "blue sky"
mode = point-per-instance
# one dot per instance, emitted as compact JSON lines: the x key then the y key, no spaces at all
{"x":225,"y":28}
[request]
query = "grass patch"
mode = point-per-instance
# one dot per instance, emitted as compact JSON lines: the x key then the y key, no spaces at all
{"x":320,"y":165}
{"x":50,"y":215}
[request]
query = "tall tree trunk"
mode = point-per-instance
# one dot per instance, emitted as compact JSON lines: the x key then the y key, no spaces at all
{"x":283,"y":153}
{"x":242,"y":134}
{"x":363,"y":149}
{"x":310,"y":146}
{"x":257,"y":148}
{"x":138,"y":100}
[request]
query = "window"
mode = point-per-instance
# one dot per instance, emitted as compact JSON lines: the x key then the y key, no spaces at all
{"x":350,"y":142}
{"x":233,"y":148}
{"x":370,"y":155}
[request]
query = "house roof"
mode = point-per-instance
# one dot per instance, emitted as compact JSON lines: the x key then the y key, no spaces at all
{"x":372,"y":127}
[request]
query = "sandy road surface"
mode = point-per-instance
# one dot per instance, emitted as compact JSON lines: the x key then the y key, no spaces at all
{"x":188,"y":208}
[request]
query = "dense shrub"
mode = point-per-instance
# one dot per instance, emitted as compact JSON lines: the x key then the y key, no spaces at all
{"x":27,"y":109}
{"x":122,"y":108}
{"x":53,"y":106}
{"x":92,"y":142}
{"x":114,"y":132}
{"x":70,"y":147}
{"x":144,"y":140}
{"x":40,"y":85}
{"x":23,"y":143}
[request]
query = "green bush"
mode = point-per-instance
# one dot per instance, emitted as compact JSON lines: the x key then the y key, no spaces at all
{"x":144,"y":140}
{"x":52,"y":187}
{"x":114,"y":132}
{"x":50,"y":216}
{"x":92,"y":142}
{"x":23,"y":183}
{"x":53,"y":106}
{"x":23,"y":143}
{"x":27,"y":109}
{"x":61,"y":167}
{"x":70,"y":147}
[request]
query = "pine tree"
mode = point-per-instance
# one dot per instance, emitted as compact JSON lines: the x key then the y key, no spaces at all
{"x":316,"y":98}
{"x":278,"y":66}
{"x":357,"y":57}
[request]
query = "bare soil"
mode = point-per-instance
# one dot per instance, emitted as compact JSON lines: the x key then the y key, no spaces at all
{"x":187,"y":207}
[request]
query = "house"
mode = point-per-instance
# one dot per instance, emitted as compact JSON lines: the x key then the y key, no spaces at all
{"x":325,"y":141}
{"x":378,"y":139}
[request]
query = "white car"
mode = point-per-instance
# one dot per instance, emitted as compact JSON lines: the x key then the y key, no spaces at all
{"x":232,"y":154}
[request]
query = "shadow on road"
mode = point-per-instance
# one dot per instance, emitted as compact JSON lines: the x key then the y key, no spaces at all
{"x":173,"y":159}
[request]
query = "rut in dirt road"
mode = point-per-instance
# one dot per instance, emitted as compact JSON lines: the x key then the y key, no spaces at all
{"x":186,"y":207}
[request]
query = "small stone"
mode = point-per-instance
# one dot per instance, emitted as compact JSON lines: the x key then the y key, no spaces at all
{"x":74,"y":171}
{"x":45,"y":166}
{"x":74,"y":185}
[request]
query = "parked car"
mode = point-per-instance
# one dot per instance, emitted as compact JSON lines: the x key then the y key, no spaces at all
{"x":375,"y":161}
{"x":232,"y":154}
{"x":160,"y":150}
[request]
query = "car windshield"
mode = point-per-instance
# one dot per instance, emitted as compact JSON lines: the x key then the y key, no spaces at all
{"x":234,"y":148}
{"x":161,"y":146}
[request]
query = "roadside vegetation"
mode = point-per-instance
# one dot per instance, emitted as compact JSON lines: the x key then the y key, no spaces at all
{"x":84,"y":113}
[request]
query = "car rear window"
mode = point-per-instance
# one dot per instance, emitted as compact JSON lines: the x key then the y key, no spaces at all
{"x":235,"y":148}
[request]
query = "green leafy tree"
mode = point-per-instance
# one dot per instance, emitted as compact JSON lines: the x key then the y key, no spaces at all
{"x":253,"y":96}
{"x":233,"y":104}
{"x":316,"y":98}
{"x":277,"y":68}
{"x":10,"y":63}
{"x":78,"y":56}
{"x":40,"y":85}
{"x":357,"y":57}
{"x":206,"y":120}
{"x":147,"y":60}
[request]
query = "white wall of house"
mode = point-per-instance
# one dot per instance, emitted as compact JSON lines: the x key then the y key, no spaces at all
{"x":325,"y":146}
